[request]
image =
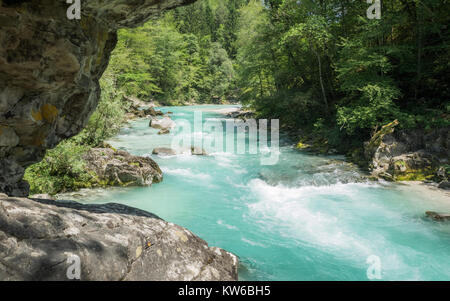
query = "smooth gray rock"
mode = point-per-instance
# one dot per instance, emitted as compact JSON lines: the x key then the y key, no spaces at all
{"x":164,"y":151}
{"x":113,"y":242}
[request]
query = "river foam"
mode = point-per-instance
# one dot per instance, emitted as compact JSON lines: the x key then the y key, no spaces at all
{"x":306,"y":218}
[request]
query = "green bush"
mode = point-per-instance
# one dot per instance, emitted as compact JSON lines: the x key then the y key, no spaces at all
{"x":62,"y":169}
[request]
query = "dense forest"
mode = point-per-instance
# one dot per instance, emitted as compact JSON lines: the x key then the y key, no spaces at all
{"x":322,"y":67}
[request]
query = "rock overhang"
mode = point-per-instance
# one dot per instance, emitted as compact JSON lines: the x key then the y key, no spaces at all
{"x":50,"y":68}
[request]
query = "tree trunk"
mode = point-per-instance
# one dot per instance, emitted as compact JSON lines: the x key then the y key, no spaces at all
{"x":321,"y":81}
{"x":419,"y":52}
{"x":261,"y":84}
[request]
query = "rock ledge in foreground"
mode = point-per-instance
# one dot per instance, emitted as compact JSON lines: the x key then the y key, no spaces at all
{"x":113,"y":242}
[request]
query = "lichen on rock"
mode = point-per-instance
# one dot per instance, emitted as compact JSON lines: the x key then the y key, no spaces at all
{"x":405,"y":155}
{"x":120,"y":168}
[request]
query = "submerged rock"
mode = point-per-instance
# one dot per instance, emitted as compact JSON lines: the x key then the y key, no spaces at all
{"x":438,"y":216}
{"x":444,"y":185}
{"x":121,"y":168}
{"x":164,"y":151}
{"x":164,"y":132}
{"x":111,"y":241}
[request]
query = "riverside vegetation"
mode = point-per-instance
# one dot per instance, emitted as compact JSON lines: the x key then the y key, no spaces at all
{"x":333,"y":77}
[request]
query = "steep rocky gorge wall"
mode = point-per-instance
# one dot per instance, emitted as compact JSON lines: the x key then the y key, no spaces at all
{"x":50,"y":68}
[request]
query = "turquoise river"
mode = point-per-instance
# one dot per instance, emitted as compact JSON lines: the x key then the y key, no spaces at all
{"x":307,"y":217}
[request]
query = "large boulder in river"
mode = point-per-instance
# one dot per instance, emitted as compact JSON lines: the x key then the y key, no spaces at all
{"x":121,"y":168}
{"x":43,"y":240}
{"x":164,"y":123}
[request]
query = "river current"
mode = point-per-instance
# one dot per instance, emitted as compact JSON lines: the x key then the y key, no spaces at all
{"x":307,"y":217}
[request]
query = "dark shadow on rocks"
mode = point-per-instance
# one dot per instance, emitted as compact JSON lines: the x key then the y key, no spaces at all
{"x":99,"y":208}
{"x":48,"y":240}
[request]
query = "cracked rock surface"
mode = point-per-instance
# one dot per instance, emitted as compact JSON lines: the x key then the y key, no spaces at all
{"x":113,"y":242}
{"x":49,"y":72}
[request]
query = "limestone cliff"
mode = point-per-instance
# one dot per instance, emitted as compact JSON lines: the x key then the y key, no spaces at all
{"x":49,"y":72}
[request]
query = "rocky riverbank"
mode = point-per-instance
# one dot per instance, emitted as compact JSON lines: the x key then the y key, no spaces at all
{"x":40,"y":238}
{"x":401,"y":155}
{"x":395,"y":154}
{"x":110,"y":167}
{"x":137,"y":108}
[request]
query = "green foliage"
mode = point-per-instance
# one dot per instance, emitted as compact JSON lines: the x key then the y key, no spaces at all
{"x":108,"y":118}
{"x":313,"y":33}
{"x":373,"y":107}
{"x":184,"y":57}
{"x":62,"y":169}
{"x":322,"y":66}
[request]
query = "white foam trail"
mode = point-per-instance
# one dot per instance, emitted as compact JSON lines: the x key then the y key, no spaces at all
{"x":294,"y":213}
{"x":215,"y":119}
{"x":187,"y":173}
{"x":223,"y":154}
{"x":231,"y":227}
{"x":252,"y":243}
{"x":291,"y":205}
